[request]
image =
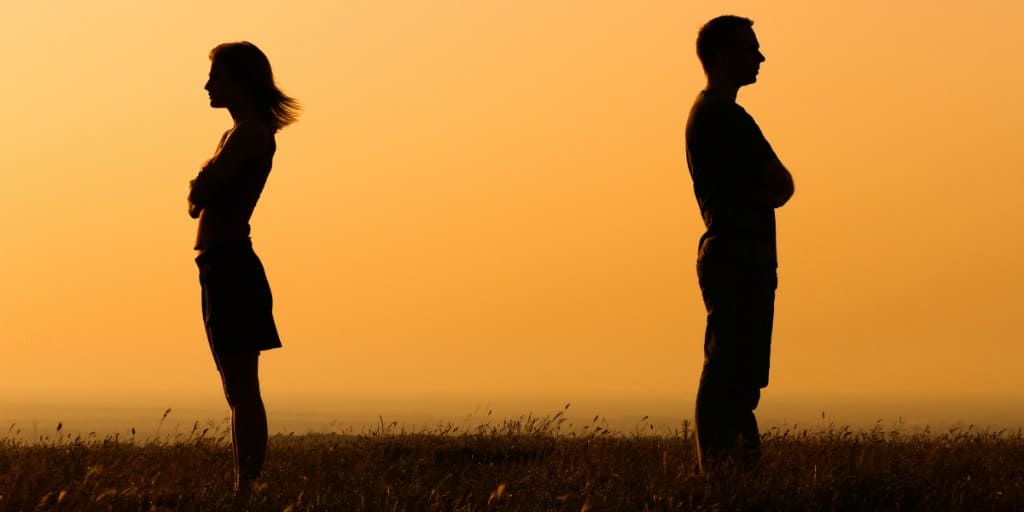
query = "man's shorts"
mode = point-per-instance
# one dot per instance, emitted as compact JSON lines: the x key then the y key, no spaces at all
{"x":740,"y":300}
{"x":237,"y":304}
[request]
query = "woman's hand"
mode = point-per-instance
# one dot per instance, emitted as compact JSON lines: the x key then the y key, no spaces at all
{"x":193,"y":208}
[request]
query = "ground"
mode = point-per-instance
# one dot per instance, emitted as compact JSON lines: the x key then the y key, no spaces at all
{"x":524,"y":464}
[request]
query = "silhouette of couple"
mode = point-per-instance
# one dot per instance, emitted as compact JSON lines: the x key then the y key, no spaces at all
{"x":737,"y":179}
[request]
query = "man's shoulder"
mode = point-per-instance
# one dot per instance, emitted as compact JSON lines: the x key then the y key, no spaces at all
{"x":713,"y":109}
{"x":710,"y":101}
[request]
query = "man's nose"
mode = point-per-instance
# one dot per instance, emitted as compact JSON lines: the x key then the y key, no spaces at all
{"x":760,"y":57}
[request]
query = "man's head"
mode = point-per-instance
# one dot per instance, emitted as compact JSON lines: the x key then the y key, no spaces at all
{"x":729,"y":51}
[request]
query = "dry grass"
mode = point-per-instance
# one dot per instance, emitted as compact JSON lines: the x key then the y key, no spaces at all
{"x":525,"y":464}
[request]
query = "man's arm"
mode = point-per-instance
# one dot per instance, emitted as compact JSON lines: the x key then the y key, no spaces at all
{"x":775,"y":184}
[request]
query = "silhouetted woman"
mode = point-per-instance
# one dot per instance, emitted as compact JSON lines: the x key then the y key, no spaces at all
{"x":235,"y":293}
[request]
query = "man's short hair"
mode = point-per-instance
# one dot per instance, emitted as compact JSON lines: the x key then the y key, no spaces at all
{"x":719,"y":34}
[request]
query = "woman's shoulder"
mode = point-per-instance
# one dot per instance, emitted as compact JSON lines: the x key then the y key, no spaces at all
{"x":254,"y":128}
{"x":253,"y":134}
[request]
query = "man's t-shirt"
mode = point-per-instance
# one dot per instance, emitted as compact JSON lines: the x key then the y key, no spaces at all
{"x":725,"y":151}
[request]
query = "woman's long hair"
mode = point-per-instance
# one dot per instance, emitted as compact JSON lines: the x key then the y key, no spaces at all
{"x":245,"y":63}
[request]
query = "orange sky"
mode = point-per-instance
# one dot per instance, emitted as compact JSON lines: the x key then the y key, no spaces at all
{"x":490,"y":199}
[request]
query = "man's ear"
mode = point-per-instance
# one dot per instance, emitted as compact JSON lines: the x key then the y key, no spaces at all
{"x":719,"y":59}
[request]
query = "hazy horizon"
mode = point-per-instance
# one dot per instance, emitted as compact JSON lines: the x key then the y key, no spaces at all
{"x":28,"y":419}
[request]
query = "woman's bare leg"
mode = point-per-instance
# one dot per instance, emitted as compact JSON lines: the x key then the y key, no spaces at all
{"x":240,"y":375}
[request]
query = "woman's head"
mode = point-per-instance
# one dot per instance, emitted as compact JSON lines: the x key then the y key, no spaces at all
{"x":241,"y":72}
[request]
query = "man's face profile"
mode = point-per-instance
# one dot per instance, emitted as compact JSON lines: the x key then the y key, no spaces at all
{"x":741,"y":61}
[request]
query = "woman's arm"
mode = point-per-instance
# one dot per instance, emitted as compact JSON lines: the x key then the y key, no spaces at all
{"x":246,"y":142}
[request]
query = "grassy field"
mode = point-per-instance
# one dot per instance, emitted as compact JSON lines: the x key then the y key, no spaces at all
{"x":524,"y":464}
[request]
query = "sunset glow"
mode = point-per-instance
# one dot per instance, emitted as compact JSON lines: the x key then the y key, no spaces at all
{"x":486,"y":200}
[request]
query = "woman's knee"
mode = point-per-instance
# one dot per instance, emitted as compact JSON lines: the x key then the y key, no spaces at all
{"x":241,"y":394}
{"x":239,"y":375}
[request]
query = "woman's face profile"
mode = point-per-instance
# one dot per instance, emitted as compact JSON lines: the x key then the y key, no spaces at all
{"x":224,"y":90}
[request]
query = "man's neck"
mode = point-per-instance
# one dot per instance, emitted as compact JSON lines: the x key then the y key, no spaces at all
{"x":722,"y":89}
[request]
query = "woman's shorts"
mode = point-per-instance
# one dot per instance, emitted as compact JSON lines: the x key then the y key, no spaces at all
{"x":237,"y":305}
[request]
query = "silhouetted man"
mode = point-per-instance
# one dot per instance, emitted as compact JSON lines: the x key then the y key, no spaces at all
{"x":738,"y":182}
